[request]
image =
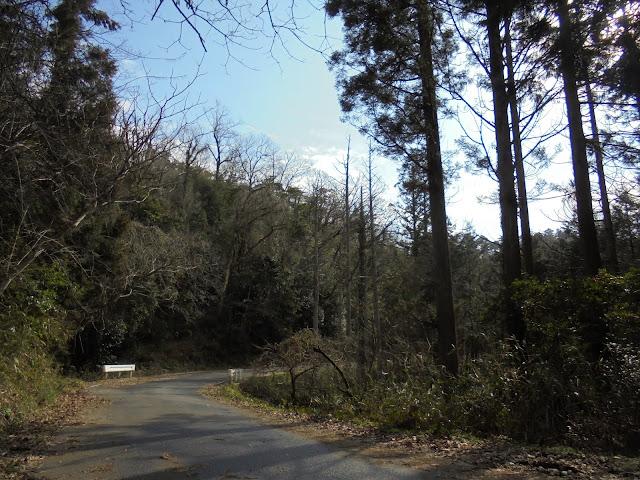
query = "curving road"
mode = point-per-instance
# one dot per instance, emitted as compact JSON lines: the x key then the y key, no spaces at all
{"x":167,"y":430}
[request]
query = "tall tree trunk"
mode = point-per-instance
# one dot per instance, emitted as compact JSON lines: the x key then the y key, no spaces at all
{"x":525,"y":228}
{"x":447,"y":341}
{"x":415,"y":236}
{"x":347,"y":241}
{"x":316,"y":268}
{"x":586,"y":223}
{"x":374,"y":272}
{"x":362,"y":284}
{"x":609,"y":233}
{"x":514,"y":324}
{"x":340,"y":316}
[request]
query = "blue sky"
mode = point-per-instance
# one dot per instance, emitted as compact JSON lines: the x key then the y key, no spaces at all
{"x":289,"y":96}
{"x":291,"y":99}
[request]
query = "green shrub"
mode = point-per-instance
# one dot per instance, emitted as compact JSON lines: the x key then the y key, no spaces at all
{"x":33,"y":332}
{"x":580,"y":377}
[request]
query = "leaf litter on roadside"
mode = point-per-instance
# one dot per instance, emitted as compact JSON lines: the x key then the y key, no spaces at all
{"x":494,"y":457}
{"x":25,"y":445}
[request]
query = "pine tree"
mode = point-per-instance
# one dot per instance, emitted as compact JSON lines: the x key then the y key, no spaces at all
{"x":387,"y":78}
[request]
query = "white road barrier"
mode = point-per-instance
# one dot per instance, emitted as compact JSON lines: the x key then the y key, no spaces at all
{"x":118,"y":368}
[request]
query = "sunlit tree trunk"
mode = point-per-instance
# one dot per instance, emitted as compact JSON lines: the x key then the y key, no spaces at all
{"x":586,"y":223}
{"x":525,"y":229}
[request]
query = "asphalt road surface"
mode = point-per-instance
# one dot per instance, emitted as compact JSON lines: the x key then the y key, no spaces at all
{"x":167,"y":430}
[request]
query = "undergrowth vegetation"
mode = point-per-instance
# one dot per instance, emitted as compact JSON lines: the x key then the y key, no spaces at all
{"x":27,"y":391}
{"x":574,"y":381}
{"x":33,"y":334}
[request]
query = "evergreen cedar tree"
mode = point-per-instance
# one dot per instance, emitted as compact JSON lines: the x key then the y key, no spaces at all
{"x":391,"y":46}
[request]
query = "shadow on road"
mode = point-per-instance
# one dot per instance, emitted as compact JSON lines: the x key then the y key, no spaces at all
{"x":166,"y":430}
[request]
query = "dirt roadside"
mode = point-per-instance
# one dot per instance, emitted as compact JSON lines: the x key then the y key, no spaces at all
{"x":24,"y":447}
{"x":454,"y":458}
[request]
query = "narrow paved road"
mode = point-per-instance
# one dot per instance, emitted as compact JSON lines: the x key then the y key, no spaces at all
{"x":167,"y":430}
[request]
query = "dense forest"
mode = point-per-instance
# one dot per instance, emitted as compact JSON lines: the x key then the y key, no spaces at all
{"x":128,"y":236}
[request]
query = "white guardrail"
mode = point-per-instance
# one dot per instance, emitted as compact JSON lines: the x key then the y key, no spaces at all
{"x":107,"y":369}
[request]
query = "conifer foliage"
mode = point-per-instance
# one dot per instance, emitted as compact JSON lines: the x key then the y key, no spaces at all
{"x":387,"y":77}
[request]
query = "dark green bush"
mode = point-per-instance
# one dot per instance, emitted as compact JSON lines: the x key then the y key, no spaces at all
{"x":33,"y":332}
{"x":580,"y":374}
